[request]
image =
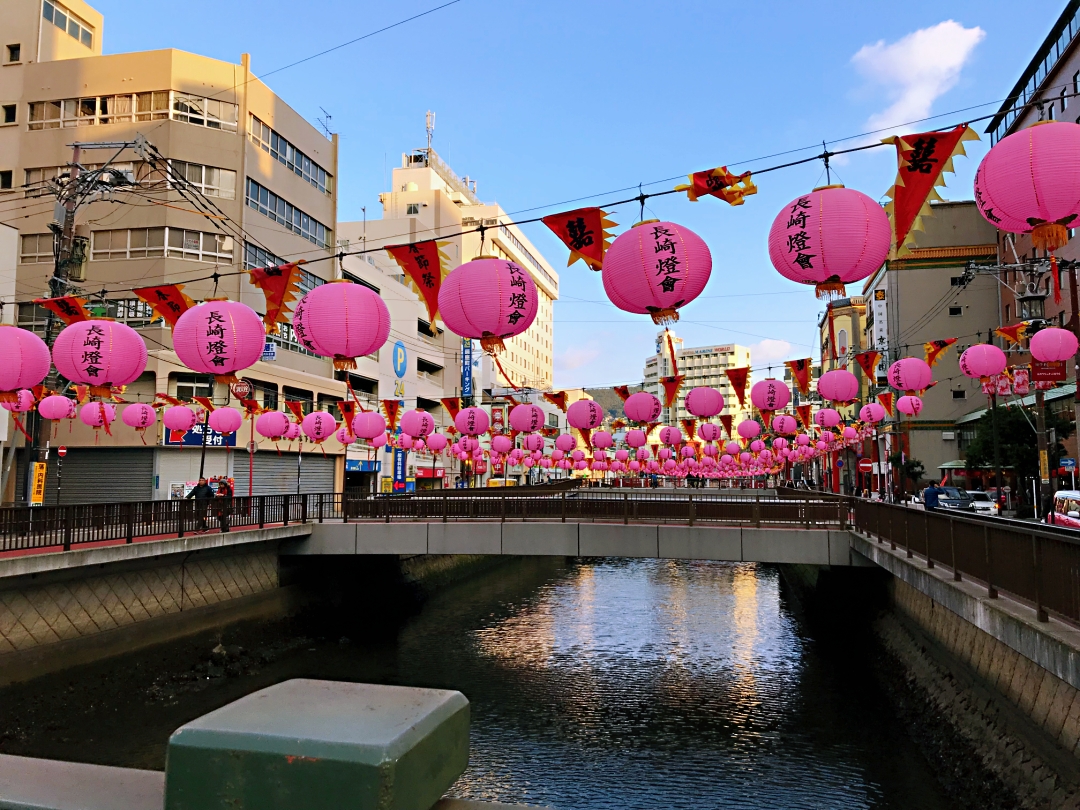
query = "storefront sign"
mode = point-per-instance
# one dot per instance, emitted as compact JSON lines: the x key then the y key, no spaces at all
{"x":194,"y":438}
{"x":361,"y":465}
{"x":399,"y":469}
{"x":37,"y":489}
{"x":1048,"y":372}
{"x":427,"y":472}
{"x":466,"y":367}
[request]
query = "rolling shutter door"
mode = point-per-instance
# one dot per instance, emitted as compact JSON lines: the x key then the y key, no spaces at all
{"x":105,"y":475}
{"x":276,"y":475}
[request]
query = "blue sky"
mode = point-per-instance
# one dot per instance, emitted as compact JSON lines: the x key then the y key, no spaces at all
{"x":547,"y":102}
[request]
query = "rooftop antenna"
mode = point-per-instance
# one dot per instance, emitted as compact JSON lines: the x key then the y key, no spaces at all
{"x":325,"y":122}
{"x":430,"y":128}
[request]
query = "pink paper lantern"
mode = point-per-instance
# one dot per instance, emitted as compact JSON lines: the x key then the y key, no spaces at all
{"x":850,"y":434}
{"x":585,"y":414}
{"x":748,"y":429}
{"x":711,"y":450}
{"x":533,"y":442}
{"x":1047,"y":345}
{"x":745,"y":458}
{"x":501,"y":444}
{"x":871,"y":413}
{"x":602,"y":439}
{"x":272,"y":424}
{"x":488,"y":300}
{"x":688,"y":452}
{"x":671,"y":435}
{"x":982,"y":360}
{"x":436,"y":442}
{"x":565,"y":442}
{"x":139,"y":415}
{"x":344,"y":436}
{"x":292,"y":433}
{"x":642,"y":407}
{"x":577,"y":455}
{"x":709,"y":432}
{"x":417,"y":423}
{"x":910,"y":374}
{"x":97,"y":414}
{"x":179,"y":417}
{"x":472,"y":421}
{"x":770,"y":395}
{"x":342,"y":320}
{"x":909,"y":405}
{"x":557,"y":455}
{"x":526,"y":418}
{"x":22,"y":401}
{"x":26,"y":359}
{"x":219,"y":337}
{"x":405,"y":441}
{"x":663,"y":453}
{"x":757,"y":446}
{"x":779,"y":444}
{"x":99,"y":354}
{"x":226,"y":420}
{"x":642,"y":454}
{"x":318,"y":426}
{"x":784,"y":425}
{"x":368,"y":425}
{"x":838,"y":385}
{"x":622,"y":454}
{"x":656,"y":267}
{"x":704,"y":402}
{"x":733,"y":448}
{"x":827,"y":418}
{"x":802,"y":440}
{"x":636,"y":438}
{"x":1028,"y":183}
{"x":56,"y":407}
{"x":830,"y":237}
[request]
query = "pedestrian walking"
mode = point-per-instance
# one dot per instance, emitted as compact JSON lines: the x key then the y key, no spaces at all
{"x":224,"y":504}
{"x":202,"y":494}
{"x":930,"y":496}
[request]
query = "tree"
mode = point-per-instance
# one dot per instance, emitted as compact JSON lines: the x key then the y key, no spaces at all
{"x":910,"y":469}
{"x":1018,"y":442}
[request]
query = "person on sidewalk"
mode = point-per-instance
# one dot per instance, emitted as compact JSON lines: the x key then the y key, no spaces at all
{"x":202,"y":494}
{"x":224,"y":503}
{"x":930,"y":496}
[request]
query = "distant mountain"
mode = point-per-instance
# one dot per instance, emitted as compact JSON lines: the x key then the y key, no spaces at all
{"x":610,"y":401}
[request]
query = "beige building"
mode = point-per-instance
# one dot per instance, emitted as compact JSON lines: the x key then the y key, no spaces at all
{"x":702,"y":366}
{"x":235,"y":179}
{"x":840,"y":331}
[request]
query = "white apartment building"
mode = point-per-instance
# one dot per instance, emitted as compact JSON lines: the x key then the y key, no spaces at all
{"x":702,"y":366}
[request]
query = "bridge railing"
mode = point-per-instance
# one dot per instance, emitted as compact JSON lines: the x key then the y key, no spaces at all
{"x":1037,"y":564}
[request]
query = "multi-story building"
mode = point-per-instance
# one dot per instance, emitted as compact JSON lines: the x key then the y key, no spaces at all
{"x":840,"y":332}
{"x":233,"y":179}
{"x":702,"y":366}
{"x":928,"y":295}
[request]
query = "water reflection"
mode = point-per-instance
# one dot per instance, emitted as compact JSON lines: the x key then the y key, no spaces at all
{"x":658,"y":684}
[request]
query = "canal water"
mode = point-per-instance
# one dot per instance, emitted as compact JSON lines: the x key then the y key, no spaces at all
{"x":606,"y":684}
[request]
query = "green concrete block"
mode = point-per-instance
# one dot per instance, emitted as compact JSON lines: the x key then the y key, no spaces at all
{"x":321,"y":745}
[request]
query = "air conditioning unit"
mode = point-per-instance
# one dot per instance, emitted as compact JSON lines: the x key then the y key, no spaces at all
{"x":948,"y":436}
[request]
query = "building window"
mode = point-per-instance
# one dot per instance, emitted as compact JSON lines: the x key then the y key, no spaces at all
{"x":158,"y":105}
{"x":959,"y":394}
{"x":1050,"y":112}
{"x":412,"y":208}
{"x":288,"y":155}
{"x":13,"y":53}
{"x":285,"y":213}
{"x":5,"y":180}
{"x":7,"y":113}
{"x":189,"y":386}
{"x":37,"y":248}
{"x":1063,"y":99}
{"x":210,"y":180}
{"x":152,"y":243}
{"x":66,"y":21}
{"x":265,"y":393}
{"x":955,"y":312}
{"x":305,"y":398}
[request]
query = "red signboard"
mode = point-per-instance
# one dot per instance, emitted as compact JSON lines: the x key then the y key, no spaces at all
{"x":427,"y":472}
{"x":1053,"y":371}
{"x":866,"y":465}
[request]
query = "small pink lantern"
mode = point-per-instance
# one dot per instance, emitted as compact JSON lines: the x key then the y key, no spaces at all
{"x":802,"y":440}
{"x":910,"y":374}
{"x":827,"y":418}
{"x":704,"y":402}
{"x":1049,"y":345}
{"x":417,"y":423}
{"x":839,"y":385}
{"x":405,"y":441}
{"x":272,"y":424}
{"x":533,"y":442}
{"x":757,"y":446}
{"x":472,"y":421}
{"x":642,"y":454}
{"x":368,"y":425}
{"x":872,"y":413}
{"x":642,"y":407}
{"x":436,"y":442}
{"x":748,"y":429}
{"x":585,"y":414}
{"x":292,"y":433}
{"x":100,"y":354}
{"x":139,"y":415}
{"x":318,"y":426}
{"x":488,"y":300}
{"x":709,"y":432}
{"x":219,"y":337}
{"x":577,"y":455}
{"x":850,"y":434}
{"x":26,"y":360}
{"x":501,"y":444}
{"x":55,"y":407}
{"x":622,"y":454}
{"x":770,"y":395}
{"x":830,"y":237}
{"x":688,"y":452}
{"x":22,"y":402}
{"x":602,"y":440}
{"x":344,"y":436}
{"x":909,"y":405}
{"x":526,"y":418}
{"x":565,"y":442}
{"x":179,"y":418}
{"x":636,"y":438}
{"x":97,"y":414}
{"x":784,"y":425}
{"x":983,"y":360}
{"x":226,"y":420}
{"x":656,"y":267}
{"x":733,"y":448}
{"x":671,"y":435}
{"x":342,"y":320}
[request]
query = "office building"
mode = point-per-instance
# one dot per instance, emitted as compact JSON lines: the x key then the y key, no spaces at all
{"x":702,"y":366}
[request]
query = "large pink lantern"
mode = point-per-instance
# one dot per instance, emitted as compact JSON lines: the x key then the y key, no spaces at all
{"x":827,"y":418}
{"x":910,"y":374}
{"x":585,"y":414}
{"x":501,"y":444}
{"x":656,"y":267}
{"x":565,"y":442}
{"x":417,"y":423}
{"x":909,"y":405}
{"x":770,"y":395}
{"x":602,"y":440}
{"x":368,"y":425}
{"x":872,"y":413}
{"x":838,"y":385}
{"x":982,"y":360}
{"x":709,"y":432}
{"x":830,"y":237}
{"x":342,"y":320}
{"x":472,"y":421}
{"x":1029,"y":183}
{"x":139,"y":415}
{"x":748,"y":429}
{"x":219,"y":337}
{"x":642,"y":407}
{"x":97,"y":414}
{"x":526,"y":418}
{"x":226,"y":420}
{"x":1047,"y":345}
{"x":25,"y":360}
{"x":56,"y":407}
{"x":100,"y":354}
{"x":436,"y":442}
{"x":22,"y":402}
{"x":488,"y":300}
{"x":272,"y":424}
{"x":533,"y":442}
{"x":704,"y":402}
{"x":784,"y":425}
{"x":636,"y":438}
{"x":318,"y":426}
{"x":179,"y":417}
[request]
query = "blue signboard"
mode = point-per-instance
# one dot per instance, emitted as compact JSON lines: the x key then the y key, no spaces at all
{"x":399,"y":469}
{"x":194,"y":438}
{"x":360,"y":465}
{"x":466,"y":367}
{"x":1068,"y":463}
{"x":269,"y":352}
{"x":401,"y":359}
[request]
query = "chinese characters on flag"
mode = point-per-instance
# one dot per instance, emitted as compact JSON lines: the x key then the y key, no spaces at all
{"x":583,"y":230}
{"x":168,"y":301}
{"x":800,"y":372}
{"x":935,"y":348}
{"x":737,"y":377}
{"x":279,"y":285}
{"x":423,"y":263}
{"x":71,"y":309}
{"x":868,"y":362}
{"x":719,"y":183}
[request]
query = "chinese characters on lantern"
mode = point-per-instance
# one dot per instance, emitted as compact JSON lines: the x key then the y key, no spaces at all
{"x":519,"y":300}
{"x":798,"y":240}
{"x":667,"y":262}
{"x":215,"y":345}
{"x":92,"y":351}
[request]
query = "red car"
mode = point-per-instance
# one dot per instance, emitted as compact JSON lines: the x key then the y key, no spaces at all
{"x":1066,"y":509}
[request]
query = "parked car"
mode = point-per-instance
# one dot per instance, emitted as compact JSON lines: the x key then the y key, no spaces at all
{"x":1066,"y":509}
{"x":983,"y":503}
{"x":955,"y":498}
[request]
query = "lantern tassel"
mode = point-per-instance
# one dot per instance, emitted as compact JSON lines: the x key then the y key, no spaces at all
{"x":830,"y":289}
{"x":492,"y":343}
{"x":664,"y":316}
{"x":1049,"y":236}
{"x":343,"y":363}
{"x":1055,"y":276}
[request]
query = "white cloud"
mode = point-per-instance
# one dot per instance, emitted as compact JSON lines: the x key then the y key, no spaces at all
{"x":917,"y":69}
{"x":769,"y":349}
{"x":576,"y":357}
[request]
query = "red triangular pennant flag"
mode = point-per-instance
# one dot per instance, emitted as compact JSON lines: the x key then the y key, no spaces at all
{"x":584,"y":232}
{"x":424,"y":265}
